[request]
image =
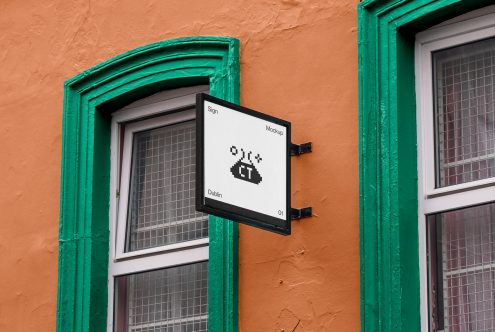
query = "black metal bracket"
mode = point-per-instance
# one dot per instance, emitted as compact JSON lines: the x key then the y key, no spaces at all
{"x":301,"y":213}
{"x":297,"y":149}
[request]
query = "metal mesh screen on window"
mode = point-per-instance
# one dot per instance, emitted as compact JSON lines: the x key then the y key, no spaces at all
{"x":162,"y":189}
{"x":462,"y":269}
{"x":465,"y":112}
{"x":167,"y":300}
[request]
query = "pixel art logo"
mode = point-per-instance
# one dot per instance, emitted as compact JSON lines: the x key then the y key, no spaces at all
{"x":244,"y":169}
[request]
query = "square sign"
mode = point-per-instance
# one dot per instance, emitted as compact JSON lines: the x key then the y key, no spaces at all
{"x":242,"y":165}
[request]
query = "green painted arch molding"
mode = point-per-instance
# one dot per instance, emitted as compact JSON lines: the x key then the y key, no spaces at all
{"x":390,"y":296}
{"x":89,"y":99}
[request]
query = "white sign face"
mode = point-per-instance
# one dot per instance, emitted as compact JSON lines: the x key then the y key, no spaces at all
{"x":245,"y":162}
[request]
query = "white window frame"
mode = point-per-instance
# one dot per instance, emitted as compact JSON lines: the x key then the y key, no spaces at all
{"x":164,"y":108}
{"x":130,"y":130}
{"x":470,"y":27}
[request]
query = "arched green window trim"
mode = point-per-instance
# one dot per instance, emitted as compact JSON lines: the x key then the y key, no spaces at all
{"x":83,"y":239}
{"x":388,"y":159}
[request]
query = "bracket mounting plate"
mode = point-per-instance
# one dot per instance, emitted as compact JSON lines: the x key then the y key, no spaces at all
{"x":301,"y":213}
{"x":297,"y":149}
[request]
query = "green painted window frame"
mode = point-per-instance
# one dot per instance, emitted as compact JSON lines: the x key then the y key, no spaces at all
{"x":390,"y":294}
{"x":89,"y":98}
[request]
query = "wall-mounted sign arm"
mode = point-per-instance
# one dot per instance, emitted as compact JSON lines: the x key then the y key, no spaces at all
{"x":301,"y":213}
{"x":297,"y":149}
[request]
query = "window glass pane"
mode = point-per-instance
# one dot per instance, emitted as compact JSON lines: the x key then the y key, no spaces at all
{"x":162,"y":190}
{"x":462,"y":269}
{"x":167,"y":300}
{"x":464,"y":113}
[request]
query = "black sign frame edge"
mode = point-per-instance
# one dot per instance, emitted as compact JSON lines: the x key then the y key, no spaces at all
{"x":251,"y":218}
{"x":221,"y":209}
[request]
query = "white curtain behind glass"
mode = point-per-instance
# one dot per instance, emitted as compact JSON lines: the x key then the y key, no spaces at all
{"x":468,"y":263}
{"x":161,"y":205}
{"x":465,"y":152}
{"x":465,"y":109}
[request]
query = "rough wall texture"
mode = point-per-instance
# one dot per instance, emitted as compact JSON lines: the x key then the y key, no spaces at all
{"x":298,"y":62}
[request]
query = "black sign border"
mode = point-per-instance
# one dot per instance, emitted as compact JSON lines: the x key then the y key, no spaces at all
{"x":229,"y":211}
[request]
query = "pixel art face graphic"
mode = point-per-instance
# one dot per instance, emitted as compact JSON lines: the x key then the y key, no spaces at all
{"x":244,"y":169}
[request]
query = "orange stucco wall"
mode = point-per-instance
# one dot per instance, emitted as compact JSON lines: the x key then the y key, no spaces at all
{"x":298,"y":62}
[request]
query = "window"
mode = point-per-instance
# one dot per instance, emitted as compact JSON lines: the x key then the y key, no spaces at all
{"x":455,"y":72}
{"x":85,"y":247}
{"x":158,"y":271}
{"x":394,"y":278}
